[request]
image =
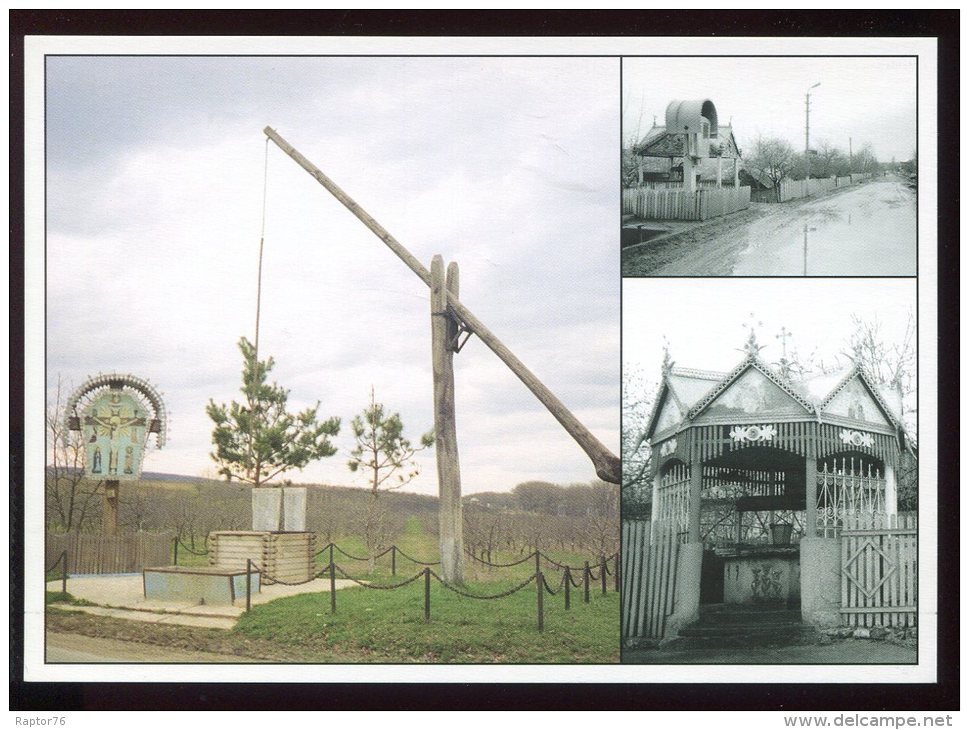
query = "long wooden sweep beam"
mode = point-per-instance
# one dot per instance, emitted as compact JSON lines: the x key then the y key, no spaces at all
{"x":607,"y":464}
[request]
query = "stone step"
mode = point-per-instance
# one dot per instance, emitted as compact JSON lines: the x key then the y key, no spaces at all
{"x":750,"y":615}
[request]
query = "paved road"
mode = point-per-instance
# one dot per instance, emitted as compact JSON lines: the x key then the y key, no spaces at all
{"x":90,"y":650}
{"x":864,"y":230}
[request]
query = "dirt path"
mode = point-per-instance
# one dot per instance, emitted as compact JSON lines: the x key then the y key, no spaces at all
{"x":867,"y":230}
{"x":72,"y":648}
{"x":850,"y":651}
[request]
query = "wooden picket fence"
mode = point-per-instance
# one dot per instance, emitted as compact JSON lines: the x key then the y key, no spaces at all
{"x":648,"y":583}
{"x":879,"y":571}
{"x":100,"y":554}
{"x":679,"y":204}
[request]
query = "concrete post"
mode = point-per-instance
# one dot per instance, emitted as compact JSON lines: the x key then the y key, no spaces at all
{"x":719,"y":171}
{"x":654,"y":511}
{"x":811,"y":489}
{"x":821,"y":581}
{"x":696,"y":483}
{"x":686,"y":600}
{"x":736,"y":172}
{"x":891,"y":491}
{"x":689,"y":176}
{"x":445,"y":426}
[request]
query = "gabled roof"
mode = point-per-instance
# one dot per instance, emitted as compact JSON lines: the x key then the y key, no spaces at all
{"x":893,"y":416}
{"x":752,"y":361}
{"x":685,"y":387}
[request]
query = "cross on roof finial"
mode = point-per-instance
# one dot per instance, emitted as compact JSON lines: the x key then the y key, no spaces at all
{"x":751,"y":348}
{"x":667,"y":360}
{"x":783,"y":336}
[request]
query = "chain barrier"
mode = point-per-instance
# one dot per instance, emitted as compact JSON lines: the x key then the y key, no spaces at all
{"x":504,"y":594}
{"x":558,"y":590}
{"x":415,"y":560}
{"x":185,"y":547}
{"x":354,"y":557}
{"x":502,"y":565}
{"x":378,"y":587}
{"x":563,"y":566}
{"x":270,"y":580}
{"x":62,"y":556}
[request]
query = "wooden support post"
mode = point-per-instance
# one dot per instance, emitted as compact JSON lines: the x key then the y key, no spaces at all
{"x":568,"y":582}
{"x":393,"y":560}
{"x":248,"y":584}
{"x":540,"y":582}
{"x":602,"y":573}
{"x":616,"y":567}
{"x":175,"y":551}
{"x":427,"y":595}
{"x":109,"y":525}
{"x":607,"y":465}
{"x":443,"y":332}
{"x":332,"y":582}
{"x":585,"y":581}
{"x":538,"y":560}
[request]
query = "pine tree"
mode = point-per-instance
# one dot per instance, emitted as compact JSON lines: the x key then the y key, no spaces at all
{"x":258,"y":439}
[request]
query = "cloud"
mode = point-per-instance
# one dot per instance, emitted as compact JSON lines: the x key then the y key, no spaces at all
{"x":155,"y":183}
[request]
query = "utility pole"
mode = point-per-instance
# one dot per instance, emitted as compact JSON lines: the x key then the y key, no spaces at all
{"x":807,"y":136}
{"x":851,"y":164}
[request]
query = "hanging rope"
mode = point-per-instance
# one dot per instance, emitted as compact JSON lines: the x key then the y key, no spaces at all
{"x":262,"y":239}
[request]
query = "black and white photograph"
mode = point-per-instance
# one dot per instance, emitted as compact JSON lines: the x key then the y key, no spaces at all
{"x":770,"y":472}
{"x":769,"y":166}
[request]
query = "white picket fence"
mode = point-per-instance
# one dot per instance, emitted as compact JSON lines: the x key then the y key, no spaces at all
{"x":679,"y":204}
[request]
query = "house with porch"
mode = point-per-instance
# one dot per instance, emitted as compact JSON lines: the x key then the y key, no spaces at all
{"x":772,"y":493}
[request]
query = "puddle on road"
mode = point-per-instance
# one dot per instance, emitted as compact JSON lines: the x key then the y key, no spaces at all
{"x":870,"y":231}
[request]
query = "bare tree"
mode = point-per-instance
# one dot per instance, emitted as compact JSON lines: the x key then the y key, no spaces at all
{"x":771,"y":159}
{"x":72,"y":500}
{"x":387,"y":458}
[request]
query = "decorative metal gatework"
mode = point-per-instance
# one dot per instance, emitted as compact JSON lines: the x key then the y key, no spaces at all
{"x":723,"y":525}
{"x":848,"y":488}
{"x":673,"y":499}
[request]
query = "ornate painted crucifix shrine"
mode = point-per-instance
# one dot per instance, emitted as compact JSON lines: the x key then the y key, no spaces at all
{"x":115,"y":414}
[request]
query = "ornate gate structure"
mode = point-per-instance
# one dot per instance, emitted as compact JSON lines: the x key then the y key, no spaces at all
{"x":749,"y":462}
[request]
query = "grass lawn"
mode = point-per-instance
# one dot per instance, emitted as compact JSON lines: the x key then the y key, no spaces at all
{"x":388,"y":626}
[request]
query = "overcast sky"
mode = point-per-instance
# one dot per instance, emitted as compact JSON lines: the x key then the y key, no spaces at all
{"x":508,"y":166}
{"x":706,"y":321}
{"x":867,"y":99}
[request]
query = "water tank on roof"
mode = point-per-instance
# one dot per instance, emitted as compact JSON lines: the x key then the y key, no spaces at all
{"x":688,"y":117}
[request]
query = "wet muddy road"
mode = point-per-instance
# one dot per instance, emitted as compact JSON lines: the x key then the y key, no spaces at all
{"x":865,"y":230}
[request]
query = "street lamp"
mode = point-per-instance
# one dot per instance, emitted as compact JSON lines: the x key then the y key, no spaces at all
{"x":807,"y":135}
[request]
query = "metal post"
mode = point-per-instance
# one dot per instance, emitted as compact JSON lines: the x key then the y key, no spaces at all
{"x":427,"y":595}
{"x":176,"y":552}
{"x":568,"y":585}
{"x":602,"y":573}
{"x":585,"y":581}
{"x":540,"y":582}
{"x":332,"y":582}
{"x":248,"y":584}
{"x":393,"y":560}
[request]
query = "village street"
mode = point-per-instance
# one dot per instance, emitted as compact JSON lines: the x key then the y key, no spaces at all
{"x":864,"y":230}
